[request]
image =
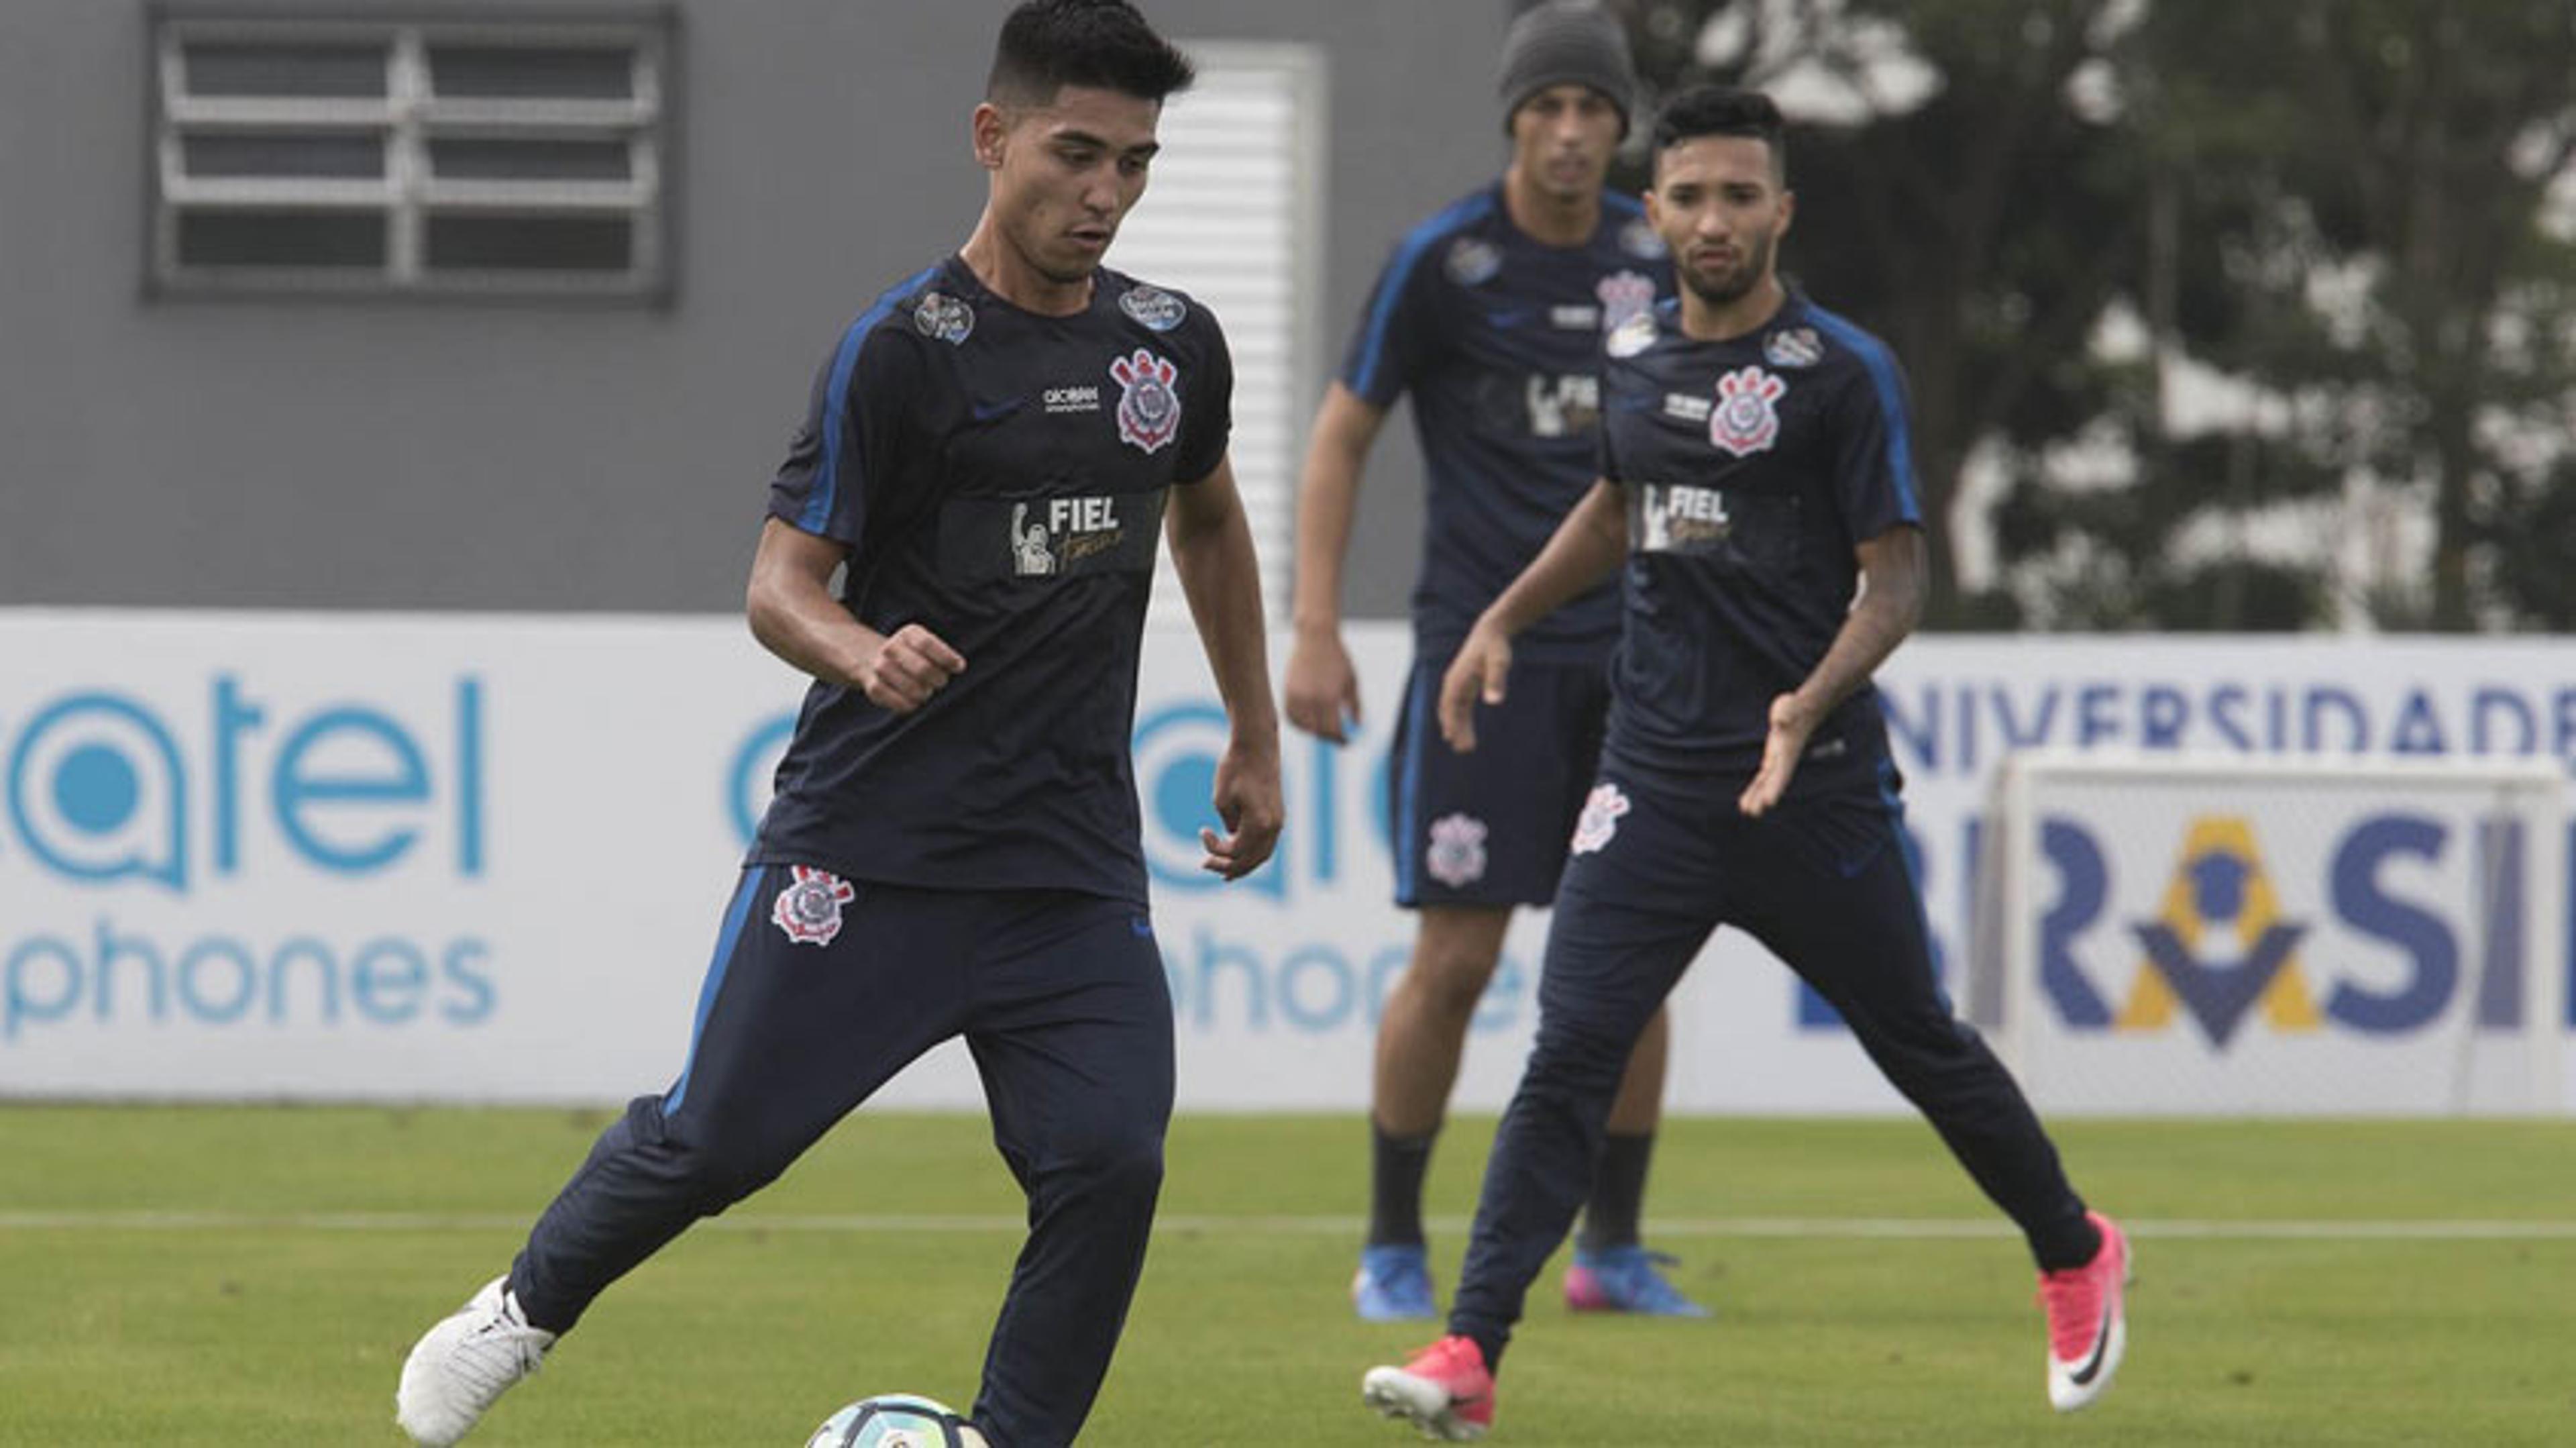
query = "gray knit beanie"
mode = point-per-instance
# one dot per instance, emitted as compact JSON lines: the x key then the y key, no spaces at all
{"x":1567,"y":42}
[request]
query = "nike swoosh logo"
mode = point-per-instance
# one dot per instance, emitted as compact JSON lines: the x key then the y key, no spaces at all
{"x":2083,"y":1376}
{"x":1142,"y":926}
{"x":1508,"y":317}
{"x":990,"y":412}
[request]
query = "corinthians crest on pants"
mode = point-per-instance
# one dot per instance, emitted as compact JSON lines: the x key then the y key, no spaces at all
{"x":1746,"y":421}
{"x":809,"y":909}
{"x":1600,"y":819}
{"x":1149,"y":399}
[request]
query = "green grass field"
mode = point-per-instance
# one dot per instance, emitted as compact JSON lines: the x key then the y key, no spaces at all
{"x":253,"y":1277}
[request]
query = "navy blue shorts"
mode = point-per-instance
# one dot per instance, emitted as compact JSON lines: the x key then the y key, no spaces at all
{"x":1490,"y":827}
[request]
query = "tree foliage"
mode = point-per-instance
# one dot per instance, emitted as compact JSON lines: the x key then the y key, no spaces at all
{"x":2069,"y":216}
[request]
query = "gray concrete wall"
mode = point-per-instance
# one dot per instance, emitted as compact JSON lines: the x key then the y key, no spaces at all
{"x":483,"y":455}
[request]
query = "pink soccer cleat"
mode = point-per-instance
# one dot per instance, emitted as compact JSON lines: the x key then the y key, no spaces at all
{"x":1445,"y":1390}
{"x":2087,"y":1320}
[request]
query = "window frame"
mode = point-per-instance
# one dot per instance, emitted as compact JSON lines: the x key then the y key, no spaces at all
{"x":407,"y":117}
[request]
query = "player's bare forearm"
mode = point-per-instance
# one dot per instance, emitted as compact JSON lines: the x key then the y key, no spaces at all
{"x":1221,"y":576}
{"x":1212,"y":551}
{"x":1892,"y":573}
{"x":1585,"y":549}
{"x":1894,"y":576}
{"x":1322,"y":688}
{"x":792,"y":612}
{"x":1327,"y":498}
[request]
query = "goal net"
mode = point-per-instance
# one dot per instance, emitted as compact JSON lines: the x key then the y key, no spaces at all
{"x":2162,"y":934}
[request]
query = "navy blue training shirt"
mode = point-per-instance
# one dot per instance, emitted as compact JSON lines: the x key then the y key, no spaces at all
{"x":1752,"y":468}
{"x":998,"y":477}
{"x":1498,"y":338}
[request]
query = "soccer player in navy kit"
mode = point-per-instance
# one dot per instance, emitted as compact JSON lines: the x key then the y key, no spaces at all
{"x":954,"y":849}
{"x":1755,"y":477}
{"x":1491,"y":314}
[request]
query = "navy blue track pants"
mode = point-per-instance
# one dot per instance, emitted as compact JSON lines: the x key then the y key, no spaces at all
{"x":820,"y":991}
{"x":1825,"y":882}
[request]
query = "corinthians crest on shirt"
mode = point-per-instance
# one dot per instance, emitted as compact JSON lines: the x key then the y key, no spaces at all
{"x":1149,"y":399}
{"x":1747,"y":419}
{"x":809,"y":909}
{"x":1624,"y":296}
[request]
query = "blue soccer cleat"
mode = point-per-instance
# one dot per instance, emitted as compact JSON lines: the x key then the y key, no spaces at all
{"x":1625,"y":1279}
{"x":1394,"y":1284}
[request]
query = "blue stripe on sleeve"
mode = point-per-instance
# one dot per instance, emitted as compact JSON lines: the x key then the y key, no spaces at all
{"x":1891,"y":401}
{"x":1417,"y":243}
{"x":817,"y":513}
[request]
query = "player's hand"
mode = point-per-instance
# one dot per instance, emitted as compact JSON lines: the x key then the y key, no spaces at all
{"x":1792,"y":724}
{"x":1476,"y":675}
{"x":1247,"y":799}
{"x":907,"y":668}
{"x":1323,"y":691}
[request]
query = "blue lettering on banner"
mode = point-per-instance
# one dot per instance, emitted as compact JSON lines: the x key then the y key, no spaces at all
{"x":2216,"y":879}
{"x":117,"y":977}
{"x":1312,"y":987}
{"x":105,"y":791}
{"x":101,"y":790}
{"x":1959,"y":727}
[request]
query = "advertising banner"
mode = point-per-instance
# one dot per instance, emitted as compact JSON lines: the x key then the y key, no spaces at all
{"x":482,"y":858}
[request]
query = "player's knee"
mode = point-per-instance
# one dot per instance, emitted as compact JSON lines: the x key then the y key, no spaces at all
{"x":721,"y":1174}
{"x":1450,"y":982}
{"x":1577,"y":1060}
{"x":1124,"y":1161}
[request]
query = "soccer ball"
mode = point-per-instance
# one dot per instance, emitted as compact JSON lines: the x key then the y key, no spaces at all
{"x":896,"y":1420}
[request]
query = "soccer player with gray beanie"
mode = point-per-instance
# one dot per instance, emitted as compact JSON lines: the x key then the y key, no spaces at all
{"x":1490,"y":316}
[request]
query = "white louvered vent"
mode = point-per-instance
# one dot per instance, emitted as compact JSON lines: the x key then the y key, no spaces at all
{"x":1233,"y":216}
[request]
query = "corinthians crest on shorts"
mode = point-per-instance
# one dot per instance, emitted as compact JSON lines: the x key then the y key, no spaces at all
{"x":809,"y":909}
{"x":1457,"y":854}
{"x":1746,"y":421}
{"x":1149,"y":399}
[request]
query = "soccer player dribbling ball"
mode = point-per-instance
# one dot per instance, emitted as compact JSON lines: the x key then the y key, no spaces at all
{"x":1757,"y":488}
{"x":992,"y":450}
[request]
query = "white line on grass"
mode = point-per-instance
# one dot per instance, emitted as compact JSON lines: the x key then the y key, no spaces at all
{"x":1818,"y":1228}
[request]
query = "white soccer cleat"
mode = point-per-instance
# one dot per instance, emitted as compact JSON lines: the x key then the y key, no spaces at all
{"x":2088,"y":1327}
{"x":460,"y":1367}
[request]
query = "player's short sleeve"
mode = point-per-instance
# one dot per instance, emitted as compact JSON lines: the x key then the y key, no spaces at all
{"x":1207,"y":403}
{"x":1400,"y":331}
{"x":1875,"y":487}
{"x":847,"y":445}
{"x":1605,"y":442}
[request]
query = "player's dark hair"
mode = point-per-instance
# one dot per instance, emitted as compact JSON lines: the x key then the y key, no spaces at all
{"x":1047,"y":45}
{"x":1718,"y":110}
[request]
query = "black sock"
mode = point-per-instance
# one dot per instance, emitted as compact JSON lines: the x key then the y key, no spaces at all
{"x":1618,"y":1193}
{"x":1397,"y":1167}
{"x":2071,"y":1241}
